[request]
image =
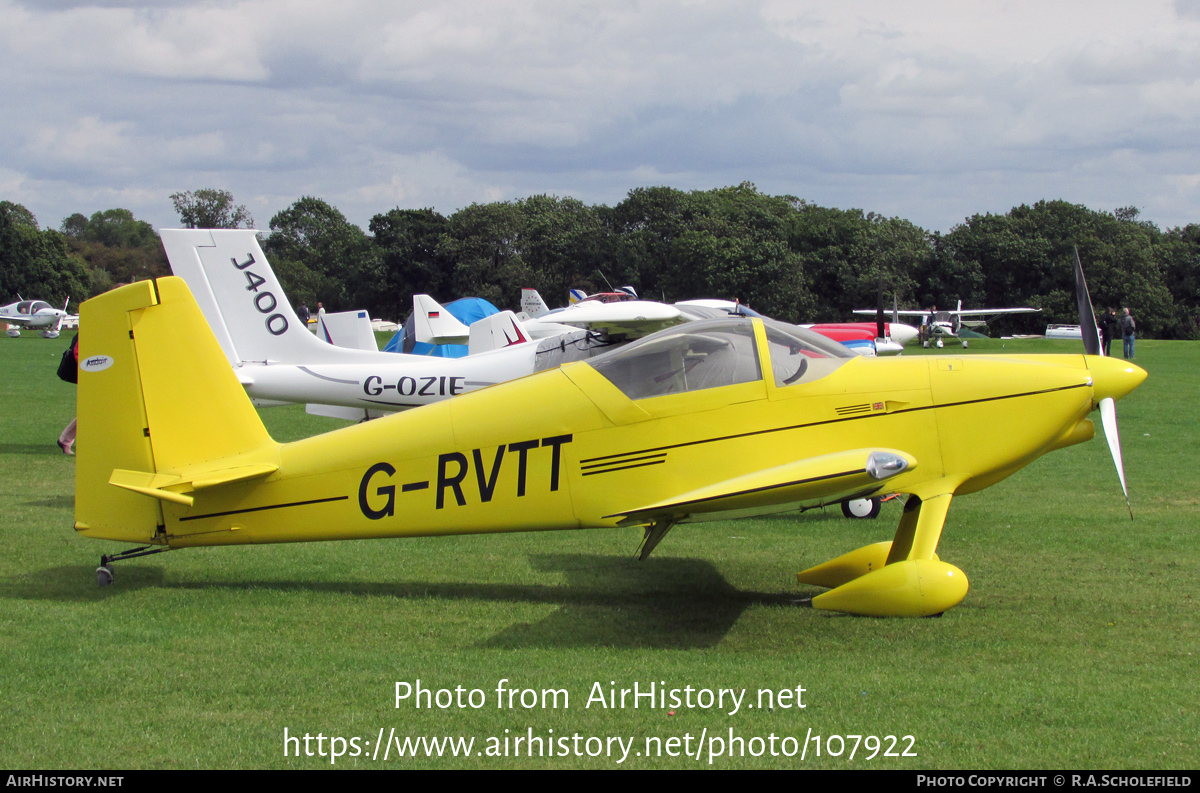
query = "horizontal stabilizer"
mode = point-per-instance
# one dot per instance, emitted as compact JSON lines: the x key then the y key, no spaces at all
{"x":825,"y":478}
{"x":154,"y":485}
{"x":149,"y":485}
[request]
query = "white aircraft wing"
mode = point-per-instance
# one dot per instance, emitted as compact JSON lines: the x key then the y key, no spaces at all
{"x":978,"y":312}
{"x":628,"y":317}
{"x":870,"y":312}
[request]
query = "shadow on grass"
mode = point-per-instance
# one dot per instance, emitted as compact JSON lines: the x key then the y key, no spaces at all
{"x":77,"y":583}
{"x":606,"y":601}
{"x":48,"y":448}
{"x":54,"y":502}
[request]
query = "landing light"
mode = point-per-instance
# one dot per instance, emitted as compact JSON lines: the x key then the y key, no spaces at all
{"x":881,"y":465}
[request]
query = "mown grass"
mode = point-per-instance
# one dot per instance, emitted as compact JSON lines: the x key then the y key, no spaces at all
{"x":1074,"y":647}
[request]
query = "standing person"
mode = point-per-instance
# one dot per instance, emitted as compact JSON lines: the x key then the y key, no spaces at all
{"x":68,"y":369}
{"x":1128,"y":330}
{"x":302,"y":312}
{"x":1108,"y":329}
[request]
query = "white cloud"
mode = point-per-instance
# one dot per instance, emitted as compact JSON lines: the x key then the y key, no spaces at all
{"x":927,"y":110}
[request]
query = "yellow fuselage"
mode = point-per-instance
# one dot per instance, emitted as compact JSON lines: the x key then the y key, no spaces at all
{"x":565,"y":449}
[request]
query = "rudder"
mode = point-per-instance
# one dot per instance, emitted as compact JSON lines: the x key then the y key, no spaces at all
{"x":157,"y":399}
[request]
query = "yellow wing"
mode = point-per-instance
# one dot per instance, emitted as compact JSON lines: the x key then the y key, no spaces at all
{"x":829,"y":477}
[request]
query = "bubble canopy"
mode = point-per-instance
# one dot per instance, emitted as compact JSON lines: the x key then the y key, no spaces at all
{"x":717,"y":352}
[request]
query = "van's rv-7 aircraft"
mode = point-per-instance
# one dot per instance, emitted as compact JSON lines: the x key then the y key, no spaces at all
{"x":949,"y":323}
{"x":34,"y":315}
{"x":707,"y":420}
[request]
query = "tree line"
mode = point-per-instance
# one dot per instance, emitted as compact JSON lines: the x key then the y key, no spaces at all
{"x":784,"y":256}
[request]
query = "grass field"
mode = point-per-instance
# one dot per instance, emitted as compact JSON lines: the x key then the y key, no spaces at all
{"x":1076,"y":646}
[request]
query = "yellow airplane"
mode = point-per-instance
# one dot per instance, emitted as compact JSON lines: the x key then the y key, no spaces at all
{"x":708,"y":420}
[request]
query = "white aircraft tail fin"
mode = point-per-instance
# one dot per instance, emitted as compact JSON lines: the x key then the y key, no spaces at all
{"x":228,"y":274}
{"x":576,"y":296}
{"x":532,"y":303}
{"x":351,"y":329}
{"x":496,"y":332}
{"x":435,"y":325}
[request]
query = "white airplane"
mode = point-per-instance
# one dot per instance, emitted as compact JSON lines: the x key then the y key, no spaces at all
{"x":35,"y":314}
{"x":279,"y":361}
{"x":618,"y":313}
{"x":949,"y":323}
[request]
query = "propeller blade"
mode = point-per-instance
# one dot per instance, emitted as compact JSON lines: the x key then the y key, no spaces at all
{"x":895,"y":308}
{"x":1108,"y":418}
{"x":1087,"y":317}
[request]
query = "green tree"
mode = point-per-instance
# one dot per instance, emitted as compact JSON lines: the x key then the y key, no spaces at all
{"x":36,"y":264}
{"x":320,"y":256}
{"x":211,"y":209}
{"x":118,"y":228}
{"x":1180,"y":255}
{"x":74,"y":226}
{"x":408,"y":242}
{"x":1026,"y":257}
{"x":565,"y":244}
{"x":116,"y":246}
{"x":484,"y":243}
{"x":727,"y":243}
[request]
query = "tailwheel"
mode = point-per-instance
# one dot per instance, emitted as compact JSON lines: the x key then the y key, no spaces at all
{"x":862,"y":508}
{"x":105,"y":574}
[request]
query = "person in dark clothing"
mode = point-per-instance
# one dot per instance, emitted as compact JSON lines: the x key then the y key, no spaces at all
{"x":302,"y":312}
{"x":68,"y":369}
{"x":1108,"y":329}
{"x":1128,"y":331}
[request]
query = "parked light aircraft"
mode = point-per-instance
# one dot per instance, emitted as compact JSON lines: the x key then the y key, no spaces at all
{"x":708,"y":420}
{"x":949,"y":323}
{"x":35,"y":314}
{"x":279,"y":361}
{"x":632,"y":318}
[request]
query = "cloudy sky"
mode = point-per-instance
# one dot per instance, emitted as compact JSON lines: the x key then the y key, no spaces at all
{"x":931,"y":111}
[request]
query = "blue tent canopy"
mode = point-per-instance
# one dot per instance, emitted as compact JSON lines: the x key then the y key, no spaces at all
{"x":466,"y":310}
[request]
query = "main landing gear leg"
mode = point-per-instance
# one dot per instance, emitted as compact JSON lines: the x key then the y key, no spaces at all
{"x":105,"y":574}
{"x":654,"y":534}
{"x":901,"y":578}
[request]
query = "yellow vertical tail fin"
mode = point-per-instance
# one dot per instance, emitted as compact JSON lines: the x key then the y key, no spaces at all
{"x":156,"y":396}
